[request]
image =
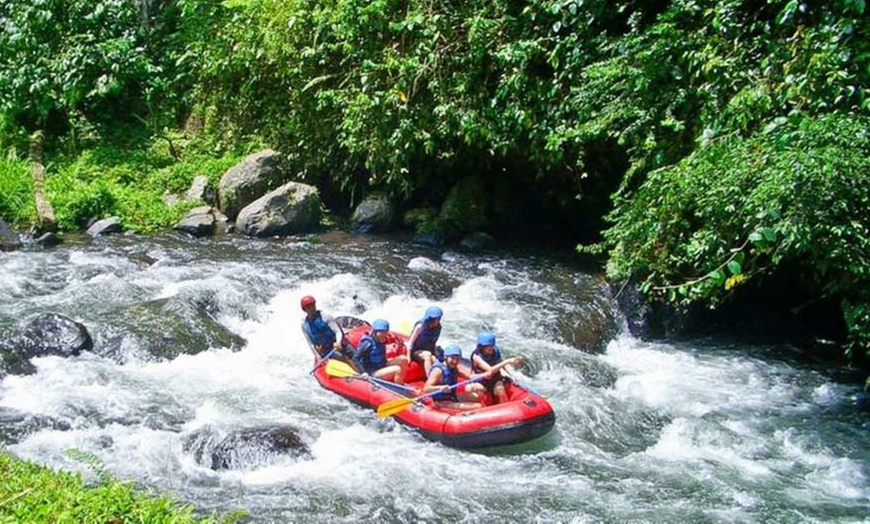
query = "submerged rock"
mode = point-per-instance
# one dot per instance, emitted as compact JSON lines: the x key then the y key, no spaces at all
{"x":16,"y":425}
{"x":167,"y":328}
{"x":245,"y":448}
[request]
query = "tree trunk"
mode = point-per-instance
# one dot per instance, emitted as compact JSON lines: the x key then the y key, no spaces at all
{"x":45,"y":219}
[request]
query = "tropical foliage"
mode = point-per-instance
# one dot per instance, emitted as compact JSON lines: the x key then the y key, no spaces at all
{"x":723,"y":137}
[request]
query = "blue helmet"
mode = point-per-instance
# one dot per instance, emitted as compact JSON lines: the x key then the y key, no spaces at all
{"x":486,"y":338}
{"x":433,"y":313}
{"x":380,"y":325}
{"x":453,"y":351}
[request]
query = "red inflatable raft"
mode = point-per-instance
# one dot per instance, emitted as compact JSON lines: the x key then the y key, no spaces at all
{"x":523,"y":417}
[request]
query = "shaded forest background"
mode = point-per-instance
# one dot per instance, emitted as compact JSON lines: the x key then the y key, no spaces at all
{"x":712,"y":151}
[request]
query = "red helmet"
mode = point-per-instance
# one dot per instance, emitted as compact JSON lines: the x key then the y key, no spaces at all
{"x":307,"y":300}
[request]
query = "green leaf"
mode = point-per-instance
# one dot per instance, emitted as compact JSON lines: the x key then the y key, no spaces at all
{"x":769,"y":234}
{"x":717,"y":276}
{"x":734,"y":267}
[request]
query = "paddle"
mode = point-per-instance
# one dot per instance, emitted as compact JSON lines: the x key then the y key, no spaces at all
{"x":338,"y":369}
{"x":388,"y":409}
{"x":510,"y":375}
{"x":322,"y":360}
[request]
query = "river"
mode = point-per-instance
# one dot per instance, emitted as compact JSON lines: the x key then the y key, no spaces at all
{"x":699,"y":430}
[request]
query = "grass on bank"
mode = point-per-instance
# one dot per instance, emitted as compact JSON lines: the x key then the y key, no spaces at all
{"x":31,"y":493}
{"x":110,"y":180}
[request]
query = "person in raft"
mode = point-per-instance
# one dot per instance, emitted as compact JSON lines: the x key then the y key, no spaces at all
{"x":424,"y":339}
{"x":320,"y":329}
{"x":487,"y":355}
{"x":371,"y":355}
{"x":446,"y":374}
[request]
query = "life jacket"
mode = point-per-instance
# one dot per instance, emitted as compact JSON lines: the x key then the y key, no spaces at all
{"x":427,"y":338}
{"x":449,"y":377}
{"x":374,"y":354}
{"x":492,"y":360}
{"x":319,"y":331}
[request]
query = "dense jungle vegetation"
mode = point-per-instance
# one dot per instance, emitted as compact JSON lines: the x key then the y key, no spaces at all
{"x":706,"y":147}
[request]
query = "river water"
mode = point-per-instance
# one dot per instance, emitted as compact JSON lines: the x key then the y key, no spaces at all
{"x":700,"y":431}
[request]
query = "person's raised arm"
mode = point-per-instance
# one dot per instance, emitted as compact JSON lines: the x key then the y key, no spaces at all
{"x":503,"y":363}
{"x":433,"y":383}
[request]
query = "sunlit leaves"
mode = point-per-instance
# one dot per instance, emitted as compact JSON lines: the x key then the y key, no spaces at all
{"x":791,"y":197}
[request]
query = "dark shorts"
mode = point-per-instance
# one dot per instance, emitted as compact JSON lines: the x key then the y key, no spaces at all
{"x":490,"y":384}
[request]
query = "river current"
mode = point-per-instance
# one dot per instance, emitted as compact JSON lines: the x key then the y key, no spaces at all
{"x":695,"y":431}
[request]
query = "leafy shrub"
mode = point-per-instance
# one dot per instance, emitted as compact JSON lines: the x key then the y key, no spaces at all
{"x":794,"y":194}
{"x":16,"y":192}
{"x":30,"y":493}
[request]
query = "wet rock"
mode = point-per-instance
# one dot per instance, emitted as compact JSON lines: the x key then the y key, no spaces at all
{"x":465,"y":208}
{"x":51,"y":334}
{"x":375,"y":213}
{"x":248,"y":181}
{"x":431,"y":238}
{"x":163,"y":329}
{"x":244,"y":449}
{"x":48,"y":240}
{"x":292,"y":208}
{"x":419,"y":218}
{"x":9,"y":240}
{"x":199,"y":222}
{"x":16,"y":425}
{"x":477,"y":241}
{"x":13,"y":361}
{"x":142,"y":259}
{"x":105,"y":226}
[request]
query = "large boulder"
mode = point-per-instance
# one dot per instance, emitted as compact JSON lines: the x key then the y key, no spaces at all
{"x":248,"y":181}
{"x":292,"y":208}
{"x":465,"y":208}
{"x":9,"y":239}
{"x":244,"y":449}
{"x":375,"y":213}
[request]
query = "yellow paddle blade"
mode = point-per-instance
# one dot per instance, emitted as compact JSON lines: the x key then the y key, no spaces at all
{"x":405,"y":327}
{"x":337,"y":368}
{"x":388,"y":409}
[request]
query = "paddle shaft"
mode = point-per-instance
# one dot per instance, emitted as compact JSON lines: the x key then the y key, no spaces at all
{"x":339,"y":369}
{"x":322,"y":360}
